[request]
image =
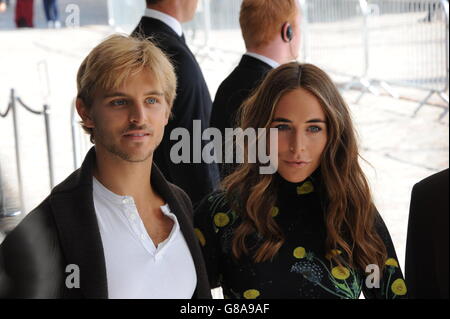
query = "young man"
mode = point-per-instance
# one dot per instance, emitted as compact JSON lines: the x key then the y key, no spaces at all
{"x":115,"y":228}
{"x":271,"y":32}
{"x":162,"y":21}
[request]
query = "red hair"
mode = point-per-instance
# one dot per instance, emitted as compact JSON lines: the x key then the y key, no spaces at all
{"x":262,"y":20}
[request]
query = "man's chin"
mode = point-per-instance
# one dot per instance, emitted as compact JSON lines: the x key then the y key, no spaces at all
{"x":131,"y":156}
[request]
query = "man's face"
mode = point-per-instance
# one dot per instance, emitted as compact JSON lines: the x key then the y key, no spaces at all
{"x":129,"y":121}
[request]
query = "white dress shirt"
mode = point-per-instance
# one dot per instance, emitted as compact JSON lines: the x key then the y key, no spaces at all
{"x":135,"y":268}
{"x":274,"y":64}
{"x":173,"y":23}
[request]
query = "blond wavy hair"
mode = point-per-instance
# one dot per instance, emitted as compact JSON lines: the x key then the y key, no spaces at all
{"x":115,"y":59}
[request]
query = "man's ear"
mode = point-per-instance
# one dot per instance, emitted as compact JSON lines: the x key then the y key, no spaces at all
{"x":84,"y":113}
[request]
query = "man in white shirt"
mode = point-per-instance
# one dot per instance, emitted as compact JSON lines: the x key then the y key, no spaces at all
{"x":271,"y":32}
{"x":116,"y":224}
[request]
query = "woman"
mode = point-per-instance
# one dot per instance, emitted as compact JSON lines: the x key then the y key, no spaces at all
{"x":311,"y":230}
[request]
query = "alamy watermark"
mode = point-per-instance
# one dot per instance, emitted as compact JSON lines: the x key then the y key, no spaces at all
{"x":228,"y":148}
{"x":73,"y":277}
{"x":73,"y":17}
{"x":373,"y":278}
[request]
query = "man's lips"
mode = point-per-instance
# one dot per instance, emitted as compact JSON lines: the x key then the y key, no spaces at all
{"x":136,"y":134}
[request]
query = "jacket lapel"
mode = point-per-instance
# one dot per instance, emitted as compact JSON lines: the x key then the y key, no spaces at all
{"x":73,"y":208}
{"x":186,"y":225}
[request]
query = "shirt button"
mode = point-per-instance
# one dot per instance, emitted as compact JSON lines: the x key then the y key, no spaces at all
{"x":142,"y":237}
{"x":127,"y":201}
{"x":132,"y":216}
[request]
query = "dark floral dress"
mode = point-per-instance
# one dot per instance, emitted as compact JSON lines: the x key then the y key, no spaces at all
{"x":301,"y":268}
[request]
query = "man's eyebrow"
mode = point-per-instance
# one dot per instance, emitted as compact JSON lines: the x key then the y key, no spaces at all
{"x":121,"y":94}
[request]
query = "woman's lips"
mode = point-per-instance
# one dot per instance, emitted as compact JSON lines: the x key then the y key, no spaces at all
{"x":297,"y":164}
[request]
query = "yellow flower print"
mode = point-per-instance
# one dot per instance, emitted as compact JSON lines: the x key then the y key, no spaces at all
{"x":275,"y":211}
{"x":392,"y":262}
{"x":200,"y":236}
{"x":333,"y":252}
{"x":341,"y":273}
{"x":306,"y":188}
{"x":221,"y":219}
{"x":251,"y":294}
{"x":299,"y":252}
{"x":398,"y":287}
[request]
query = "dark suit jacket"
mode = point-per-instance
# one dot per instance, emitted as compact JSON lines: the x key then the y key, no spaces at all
{"x":63,"y":230}
{"x":193,"y":102}
{"x":427,"y":248}
{"x":234,"y":90}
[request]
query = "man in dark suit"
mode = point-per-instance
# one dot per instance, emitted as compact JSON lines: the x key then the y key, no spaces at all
{"x":115,"y":228}
{"x":162,"y":21}
{"x":271,"y":33}
{"x":426,"y":267}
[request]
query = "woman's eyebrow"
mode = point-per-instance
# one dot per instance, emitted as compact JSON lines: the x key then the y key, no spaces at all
{"x":281,"y":119}
{"x":315,"y":121}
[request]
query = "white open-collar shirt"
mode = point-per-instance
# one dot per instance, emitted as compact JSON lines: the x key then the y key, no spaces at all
{"x":135,"y":268}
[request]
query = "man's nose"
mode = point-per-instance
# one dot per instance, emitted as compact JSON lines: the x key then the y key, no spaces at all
{"x":137,"y":113}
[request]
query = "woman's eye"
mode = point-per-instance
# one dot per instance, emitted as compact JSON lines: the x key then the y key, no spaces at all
{"x":314,"y":129}
{"x":151,"y":100}
{"x":282,"y":127}
{"x":118,"y":102}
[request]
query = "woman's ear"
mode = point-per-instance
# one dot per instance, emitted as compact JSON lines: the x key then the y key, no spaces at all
{"x":84,"y":113}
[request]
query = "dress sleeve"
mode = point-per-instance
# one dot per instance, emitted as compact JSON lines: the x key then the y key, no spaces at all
{"x":391,"y":283}
{"x":208,"y":237}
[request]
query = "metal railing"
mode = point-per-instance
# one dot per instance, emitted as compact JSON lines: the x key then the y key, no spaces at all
{"x":381,"y":44}
{"x":14,"y":103}
{"x":375,"y":44}
{"x":80,"y":140}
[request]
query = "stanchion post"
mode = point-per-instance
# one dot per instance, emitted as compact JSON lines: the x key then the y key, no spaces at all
{"x":49,"y":144}
{"x":17,"y":147}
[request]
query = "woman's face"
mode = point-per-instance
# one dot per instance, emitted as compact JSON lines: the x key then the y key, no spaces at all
{"x":302,"y":134}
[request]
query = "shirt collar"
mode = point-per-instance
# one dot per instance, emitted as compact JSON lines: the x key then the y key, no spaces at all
{"x":274,"y":64}
{"x":173,"y":23}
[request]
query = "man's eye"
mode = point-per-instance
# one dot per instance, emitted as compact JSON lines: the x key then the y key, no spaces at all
{"x":118,"y":102}
{"x":151,"y":100}
{"x":314,"y":129}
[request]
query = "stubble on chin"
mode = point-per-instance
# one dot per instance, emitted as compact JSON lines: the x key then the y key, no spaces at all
{"x":126,"y":156}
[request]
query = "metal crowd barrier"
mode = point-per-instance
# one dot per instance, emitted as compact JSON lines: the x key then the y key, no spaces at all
{"x":381,"y":43}
{"x":80,"y":140}
{"x":374,"y":44}
{"x":13,"y":104}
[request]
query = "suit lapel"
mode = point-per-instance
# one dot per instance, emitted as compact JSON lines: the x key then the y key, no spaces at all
{"x":73,"y":208}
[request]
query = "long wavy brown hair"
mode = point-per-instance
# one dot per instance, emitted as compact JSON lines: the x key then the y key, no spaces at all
{"x":350,"y":215}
